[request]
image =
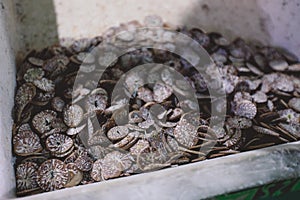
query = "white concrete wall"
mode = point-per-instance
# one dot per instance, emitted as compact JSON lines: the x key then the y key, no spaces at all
{"x":275,"y":22}
{"x":7,"y":87}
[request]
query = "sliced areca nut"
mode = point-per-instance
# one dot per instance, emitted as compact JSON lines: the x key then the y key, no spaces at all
{"x":73,"y":115}
{"x":246,"y":109}
{"x":36,"y":61}
{"x":58,"y":104}
{"x":96,"y":170}
{"x":24,"y":96}
{"x":186,"y":133}
{"x":26,"y":143}
{"x":75,"y":175}
{"x":117,"y":133}
{"x":52,"y":175}
{"x":76,"y":130}
{"x":44,"y":84}
{"x":33,"y":74}
{"x":59,"y":143}
{"x":114,"y":163}
{"x":84,"y":163}
{"x":26,"y":177}
{"x":42,"y":121}
{"x":161,"y":92}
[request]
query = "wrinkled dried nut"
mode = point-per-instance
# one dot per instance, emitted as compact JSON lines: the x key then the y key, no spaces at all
{"x":84,"y":163}
{"x":42,"y":121}
{"x":186,"y":133}
{"x":26,"y":177}
{"x":33,"y":74}
{"x":294,"y":103}
{"x":58,"y":104}
{"x":52,"y":175}
{"x":117,"y":133}
{"x":75,"y":175}
{"x":161,"y":92}
{"x":58,"y":143}
{"x":26,"y":143}
{"x":73,"y":115}
{"x":246,"y":109}
{"x":96,"y":170}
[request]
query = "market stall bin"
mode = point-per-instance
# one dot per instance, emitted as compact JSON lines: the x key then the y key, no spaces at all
{"x":34,"y":24}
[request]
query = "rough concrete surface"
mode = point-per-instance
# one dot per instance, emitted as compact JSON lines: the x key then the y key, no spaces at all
{"x":7,"y":87}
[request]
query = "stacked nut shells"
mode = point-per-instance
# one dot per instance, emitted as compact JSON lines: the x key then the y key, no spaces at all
{"x":68,"y":134}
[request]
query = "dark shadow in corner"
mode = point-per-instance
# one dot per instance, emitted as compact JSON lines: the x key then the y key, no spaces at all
{"x":36,"y":25}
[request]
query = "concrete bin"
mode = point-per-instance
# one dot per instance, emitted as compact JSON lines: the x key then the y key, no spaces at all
{"x":34,"y":24}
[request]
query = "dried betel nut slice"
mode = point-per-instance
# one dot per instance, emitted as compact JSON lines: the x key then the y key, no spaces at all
{"x":26,"y":178}
{"x":36,"y":61}
{"x":246,"y":109}
{"x":58,"y":143}
{"x":96,"y":170}
{"x":44,"y":84}
{"x":24,"y":96}
{"x":42,"y":121}
{"x":294,"y":103}
{"x":96,"y":101}
{"x":161,"y":92}
{"x":117,"y":133}
{"x":52,"y":175}
{"x":58,"y":104}
{"x":75,"y":175}
{"x":73,"y":115}
{"x":26,"y":143}
{"x":84,"y":162}
{"x":114,"y":163}
{"x":33,"y":74}
{"x":186,"y":133}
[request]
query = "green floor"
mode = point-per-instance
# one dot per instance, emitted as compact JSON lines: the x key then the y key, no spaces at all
{"x":289,"y":189}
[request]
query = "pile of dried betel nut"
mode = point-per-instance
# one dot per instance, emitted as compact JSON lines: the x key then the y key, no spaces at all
{"x":262,"y":86}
